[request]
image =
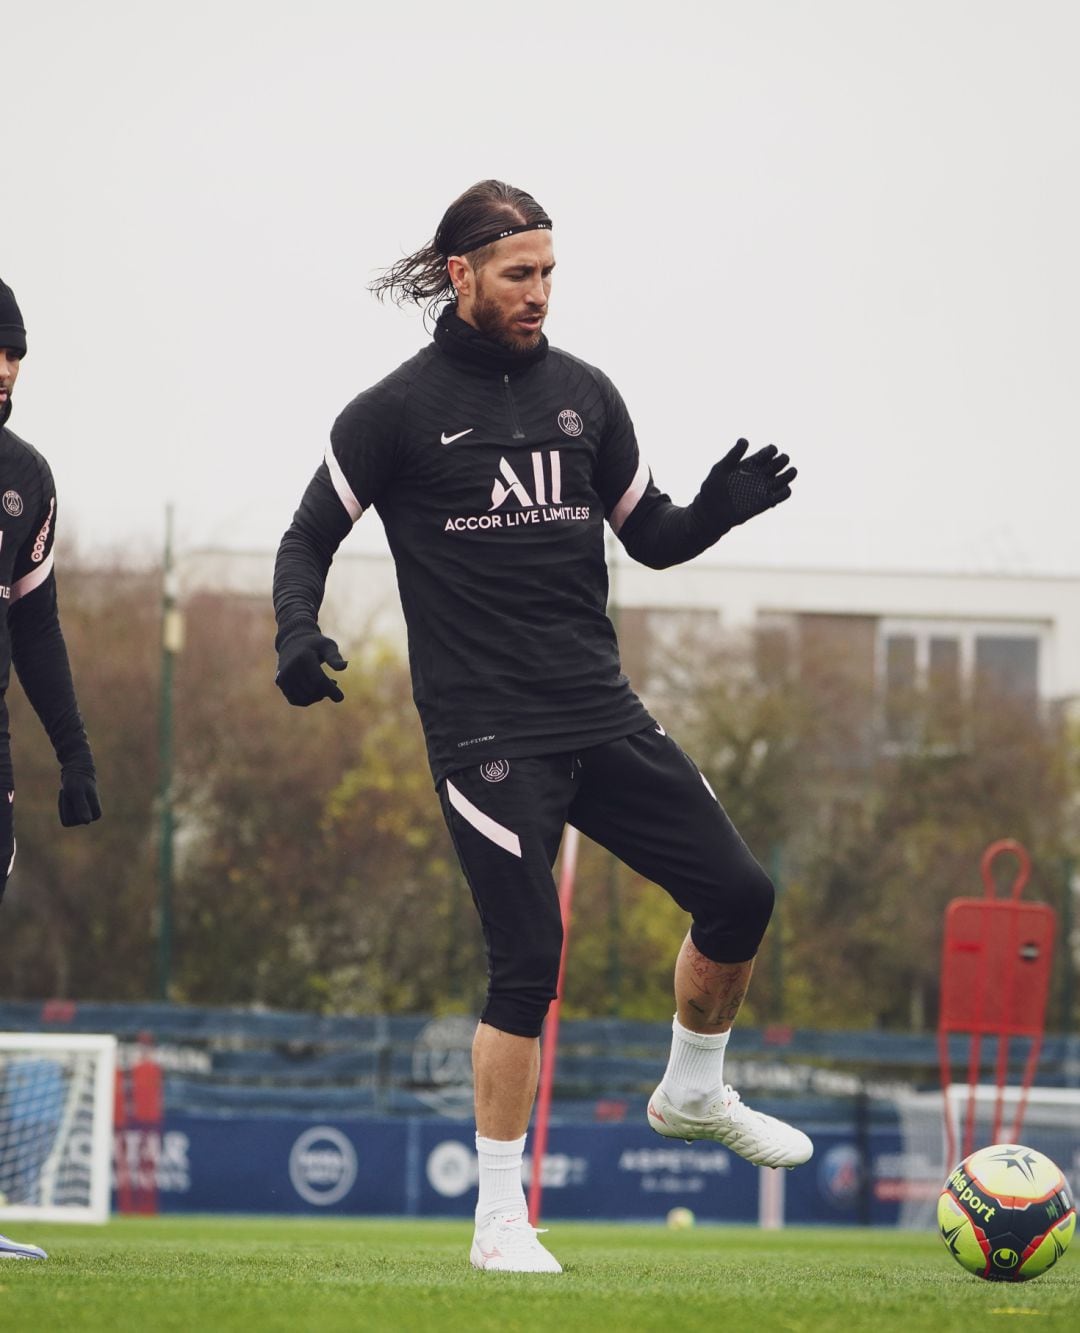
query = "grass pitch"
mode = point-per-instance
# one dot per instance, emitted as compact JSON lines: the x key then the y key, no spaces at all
{"x":248,"y":1275}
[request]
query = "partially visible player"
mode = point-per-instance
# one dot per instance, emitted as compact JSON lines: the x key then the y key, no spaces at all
{"x":494,"y":461}
{"x":30,"y":634}
{"x":12,"y":1249}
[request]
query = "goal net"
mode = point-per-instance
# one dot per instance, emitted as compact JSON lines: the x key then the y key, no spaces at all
{"x":1051,"y":1125}
{"x":56,"y":1127}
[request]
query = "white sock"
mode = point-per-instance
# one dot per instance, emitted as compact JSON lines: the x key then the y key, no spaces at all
{"x":695,"y":1073}
{"x":501,"y":1190}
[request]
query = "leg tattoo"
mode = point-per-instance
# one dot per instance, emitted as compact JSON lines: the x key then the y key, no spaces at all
{"x":709,"y":995}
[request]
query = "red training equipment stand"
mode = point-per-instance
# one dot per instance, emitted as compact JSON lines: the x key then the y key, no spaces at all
{"x":138,"y":1116}
{"x":995,"y":977}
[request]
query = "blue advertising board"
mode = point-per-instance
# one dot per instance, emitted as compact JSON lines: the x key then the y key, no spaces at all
{"x":600,"y":1171}
{"x":426,"y":1167}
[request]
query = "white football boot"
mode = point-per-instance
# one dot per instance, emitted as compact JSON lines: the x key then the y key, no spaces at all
{"x":13,"y":1249}
{"x":508,"y":1244}
{"x":759,"y":1138}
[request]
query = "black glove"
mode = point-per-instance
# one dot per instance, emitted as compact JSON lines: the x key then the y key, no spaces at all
{"x":300,"y":676}
{"x":738,"y":488}
{"x":78,"y":800}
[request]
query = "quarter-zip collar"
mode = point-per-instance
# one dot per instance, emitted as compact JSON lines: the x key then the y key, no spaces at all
{"x":464,"y":343}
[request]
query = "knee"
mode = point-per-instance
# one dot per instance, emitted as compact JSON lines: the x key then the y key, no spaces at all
{"x":758,"y":894}
{"x":521,"y":1013}
{"x":522,"y":986}
{"x":733,"y":930}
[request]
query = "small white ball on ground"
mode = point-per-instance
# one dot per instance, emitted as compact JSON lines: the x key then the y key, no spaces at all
{"x":680,"y":1219}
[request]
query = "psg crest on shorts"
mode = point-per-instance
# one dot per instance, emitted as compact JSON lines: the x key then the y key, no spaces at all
{"x":495,"y":770}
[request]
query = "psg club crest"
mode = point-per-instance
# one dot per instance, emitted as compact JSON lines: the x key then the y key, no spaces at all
{"x":13,"y":504}
{"x":495,"y":770}
{"x":569,"y":422}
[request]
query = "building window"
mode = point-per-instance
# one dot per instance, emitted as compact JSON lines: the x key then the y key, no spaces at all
{"x":1007,"y":668}
{"x":944,"y":692}
{"x":901,"y":695}
{"x":932,"y":673}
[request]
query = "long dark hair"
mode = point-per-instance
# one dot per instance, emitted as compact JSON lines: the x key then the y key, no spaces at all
{"x":422,"y":278}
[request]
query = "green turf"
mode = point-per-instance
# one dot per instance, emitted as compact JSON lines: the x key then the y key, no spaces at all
{"x":223,"y":1275}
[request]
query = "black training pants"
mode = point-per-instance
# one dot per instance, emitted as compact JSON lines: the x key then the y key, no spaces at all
{"x":640,"y":797}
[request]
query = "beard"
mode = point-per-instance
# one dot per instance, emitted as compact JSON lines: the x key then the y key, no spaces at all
{"x":494,"y":325}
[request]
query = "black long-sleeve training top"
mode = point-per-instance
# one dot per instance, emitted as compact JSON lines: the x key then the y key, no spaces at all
{"x":493,"y":473}
{"x":30,"y":634}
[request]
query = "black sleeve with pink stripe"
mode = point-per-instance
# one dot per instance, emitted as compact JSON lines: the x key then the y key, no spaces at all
{"x":655,"y":531}
{"x":319,"y":526}
{"x":38,"y":650}
{"x":357,"y":465}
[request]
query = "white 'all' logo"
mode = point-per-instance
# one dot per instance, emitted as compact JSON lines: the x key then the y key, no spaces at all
{"x":511,"y":484}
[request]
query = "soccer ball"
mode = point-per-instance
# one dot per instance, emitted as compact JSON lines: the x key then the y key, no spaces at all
{"x":1006,"y":1213}
{"x":680,"y":1219}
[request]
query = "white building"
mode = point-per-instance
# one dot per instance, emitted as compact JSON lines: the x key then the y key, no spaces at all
{"x":897,"y":630}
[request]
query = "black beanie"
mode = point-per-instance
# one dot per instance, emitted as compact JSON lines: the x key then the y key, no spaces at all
{"x":12,"y":329}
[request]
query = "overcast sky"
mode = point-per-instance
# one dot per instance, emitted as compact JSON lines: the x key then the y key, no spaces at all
{"x":847,"y":226}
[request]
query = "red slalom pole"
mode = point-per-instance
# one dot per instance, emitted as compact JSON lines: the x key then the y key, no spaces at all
{"x":550,"y":1044}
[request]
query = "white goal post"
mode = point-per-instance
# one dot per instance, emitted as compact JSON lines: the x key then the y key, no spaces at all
{"x":56,"y":1127}
{"x":1051,"y":1125}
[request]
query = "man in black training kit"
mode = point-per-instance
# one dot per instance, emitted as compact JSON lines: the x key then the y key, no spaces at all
{"x":493,"y":460}
{"x":30,"y":633}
